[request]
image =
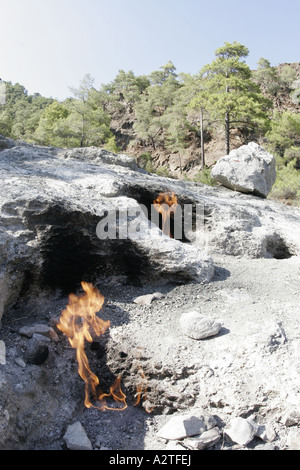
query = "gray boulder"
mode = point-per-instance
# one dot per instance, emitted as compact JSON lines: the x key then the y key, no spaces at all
{"x":54,"y":206}
{"x":248,"y":169}
{"x":53,"y":210}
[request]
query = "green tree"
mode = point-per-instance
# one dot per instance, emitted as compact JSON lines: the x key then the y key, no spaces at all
{"x":150,"y":110}
{"x":287,"y":75}
{"x":284,"y":132}
{"x":20,"y":115}
{"x":129,"y":87}
{"x":199,"y":102}
{"x":175,"y":124}
{"x":52,"y":128}
{"x":81,"y":105}
{"x":266,"y":77}
{"x":87,"y":120}
{"x":233,"y":98}
{"x":167,"y":71}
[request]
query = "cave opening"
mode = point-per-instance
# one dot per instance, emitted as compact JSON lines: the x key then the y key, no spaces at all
{"x":146,"y":197}
{"x":277,"y":248}
{"x":71,"y":252}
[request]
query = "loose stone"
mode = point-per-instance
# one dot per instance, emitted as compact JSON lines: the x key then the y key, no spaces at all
{"x":240,"y":431}
{"x":179,"y":427}
{"x":76,"y":438}
{"x":197,"y":326}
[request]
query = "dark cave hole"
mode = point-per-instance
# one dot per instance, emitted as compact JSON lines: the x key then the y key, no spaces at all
{"x":277,"y":248}
{"x":71,"y":252}
{"x":72,"y":256}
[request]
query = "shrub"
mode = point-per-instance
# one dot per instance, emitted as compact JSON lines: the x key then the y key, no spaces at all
{"x":204,"y":177}
{"x":145,"y":161}
{"x":287,"y":184}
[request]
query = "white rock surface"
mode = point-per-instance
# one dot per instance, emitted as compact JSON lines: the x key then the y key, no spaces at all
{"x":198,"y":326}
{"x":185,"y":425}
{"x":148,"y":298}
{"x":76,"y":438}
{"x":240,"y":431}
{"x":205,"y":440}
{"x":249,"y":169}
{"x":293,"y":439}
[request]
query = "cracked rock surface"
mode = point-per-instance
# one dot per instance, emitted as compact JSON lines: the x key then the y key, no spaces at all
{"x":248,"y":370}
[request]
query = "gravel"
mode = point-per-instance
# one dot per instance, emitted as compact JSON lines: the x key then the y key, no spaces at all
{"x":250,"y":369}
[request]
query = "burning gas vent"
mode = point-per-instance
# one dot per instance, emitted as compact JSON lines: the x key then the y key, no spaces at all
{"x":80,"y":323}
{"x":171,"y":211}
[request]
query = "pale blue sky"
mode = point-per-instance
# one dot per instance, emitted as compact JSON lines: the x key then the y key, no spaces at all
{"x":49,"y":45}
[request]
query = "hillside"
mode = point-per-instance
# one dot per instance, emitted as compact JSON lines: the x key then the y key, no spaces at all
{"x":157,"y":118}
{"x":206,"y":325}
{"x":188,"y":161}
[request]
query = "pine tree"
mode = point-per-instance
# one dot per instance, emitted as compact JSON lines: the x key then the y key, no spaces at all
{"x":233,"y":98}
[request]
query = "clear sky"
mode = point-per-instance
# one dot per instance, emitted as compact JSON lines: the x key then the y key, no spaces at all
{"x":49,"y":45}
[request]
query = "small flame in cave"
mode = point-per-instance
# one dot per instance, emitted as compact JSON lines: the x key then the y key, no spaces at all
{"x":79,"y":322}
{"x":165,"y":204}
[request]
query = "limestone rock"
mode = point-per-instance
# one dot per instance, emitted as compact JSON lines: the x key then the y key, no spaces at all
{"x":291,"y":416}
{"x":293,"y":439}
{"x":240,"y":431}
{"x":52,"y":204}
{"x":53,"y":200}
{"x":76,"y":438}
{"x":148,"y":298}
{"x":266,"y":433}
{"x":205,"y":440}
{"x":249,"y":169}
{"x":198,"y":326}
{"x":190,"y":424}
{"x":40,"y":329}
{"x":276,"y":339}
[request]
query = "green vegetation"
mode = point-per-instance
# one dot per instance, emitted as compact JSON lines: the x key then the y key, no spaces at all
{"x":172,"y":112}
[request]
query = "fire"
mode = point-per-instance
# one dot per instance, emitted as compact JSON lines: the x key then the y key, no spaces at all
{"x":165,"y":204}
{"x":79,"y":322}
{"x":142,"y":389}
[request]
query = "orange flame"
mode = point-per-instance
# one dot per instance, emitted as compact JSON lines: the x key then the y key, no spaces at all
{"x":165,"y":204}
{"x":79,"y":323}
{"x":139,"y":391}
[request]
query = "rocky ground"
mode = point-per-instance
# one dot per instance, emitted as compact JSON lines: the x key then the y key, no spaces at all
{"x":250,"y":369}
{"x":238,"y":387}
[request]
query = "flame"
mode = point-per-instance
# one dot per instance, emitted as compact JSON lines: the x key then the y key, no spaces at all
{"x":140,"y":388}
{"x":79,"y":322}
{"x":165,"y":204}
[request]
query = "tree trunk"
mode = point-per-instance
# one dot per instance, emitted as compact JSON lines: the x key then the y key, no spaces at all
{"x":227,"y":134}
{"x":202,"y":141}
{"x":82,"y":133}
{"x":153,"y":143}
{"x":180,"y":163}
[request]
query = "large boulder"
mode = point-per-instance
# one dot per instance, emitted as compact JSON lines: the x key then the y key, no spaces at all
{"x":52,"y":205}
{"x":248,"y":169}
{"x":53,"y":213}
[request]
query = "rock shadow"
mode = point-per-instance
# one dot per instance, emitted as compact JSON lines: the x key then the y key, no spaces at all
{"x":221,"y":274}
